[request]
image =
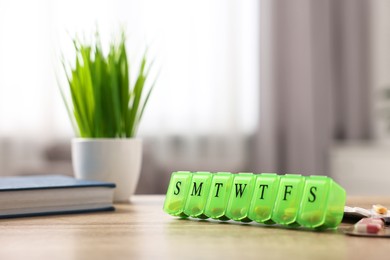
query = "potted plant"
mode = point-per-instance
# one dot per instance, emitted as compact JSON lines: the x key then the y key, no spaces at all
{"x":105,"y":109}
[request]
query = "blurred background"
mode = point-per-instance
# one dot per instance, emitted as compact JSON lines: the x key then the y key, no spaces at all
{"x":245,"y":86}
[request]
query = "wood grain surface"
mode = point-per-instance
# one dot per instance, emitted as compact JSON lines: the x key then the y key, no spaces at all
{"x":141,"y":230}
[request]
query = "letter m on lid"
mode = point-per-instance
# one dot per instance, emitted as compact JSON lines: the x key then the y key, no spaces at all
{"x":196,"y":190}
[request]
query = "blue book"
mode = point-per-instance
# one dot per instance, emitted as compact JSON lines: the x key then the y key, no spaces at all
{"x":53,"y":194}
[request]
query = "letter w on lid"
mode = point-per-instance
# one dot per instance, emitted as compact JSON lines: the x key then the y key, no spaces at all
{"x":241,"y":196}
{"x":239,"y":189}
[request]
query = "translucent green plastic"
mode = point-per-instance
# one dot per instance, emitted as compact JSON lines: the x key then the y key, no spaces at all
{"x":322,"y":204}
{"x":219,"y":195}
{"x":177,"y":193}
{"x":263,"y":200}
{"x":198,"y":193}
{"x":315,"y":202}
{"x":288,"y":199}
{"x":241,"y":193}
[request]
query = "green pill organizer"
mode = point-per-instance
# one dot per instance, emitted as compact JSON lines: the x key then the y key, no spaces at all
{"x":315,"y":202}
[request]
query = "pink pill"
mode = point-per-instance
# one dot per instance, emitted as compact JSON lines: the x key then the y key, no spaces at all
{"x":373,"y":228}
{"x":369,"y":225}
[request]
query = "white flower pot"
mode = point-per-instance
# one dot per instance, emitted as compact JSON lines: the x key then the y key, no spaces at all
{"x":111,"y":160}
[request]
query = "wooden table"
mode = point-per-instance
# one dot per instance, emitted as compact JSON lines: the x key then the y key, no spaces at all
{"x":141,"y":230}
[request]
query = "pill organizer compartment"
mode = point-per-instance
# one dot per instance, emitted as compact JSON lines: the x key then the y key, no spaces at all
{"x":288,"y":199}
{"x":240,"y":196}
{"x":218,"y":199}
{"x":312,"y":212}
{"x":177,"y":193}
{"x":263,"y":199}
{"x":198,"y":193}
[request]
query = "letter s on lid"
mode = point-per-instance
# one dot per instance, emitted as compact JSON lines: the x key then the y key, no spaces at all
{"x":177,"y":193}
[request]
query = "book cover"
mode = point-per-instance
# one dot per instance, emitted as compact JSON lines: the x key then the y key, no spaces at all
{"x":53,"y":194}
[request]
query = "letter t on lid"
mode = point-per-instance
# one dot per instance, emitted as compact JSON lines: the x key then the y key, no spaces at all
{"x":219,"y":195}
{"x":266,"y":190}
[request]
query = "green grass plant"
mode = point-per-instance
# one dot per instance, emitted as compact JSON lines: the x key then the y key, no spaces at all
{"x":103,"y":101}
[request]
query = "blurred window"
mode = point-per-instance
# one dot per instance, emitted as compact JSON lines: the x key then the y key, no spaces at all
{"x":204,"y":105}
{"x":207,"y":52}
